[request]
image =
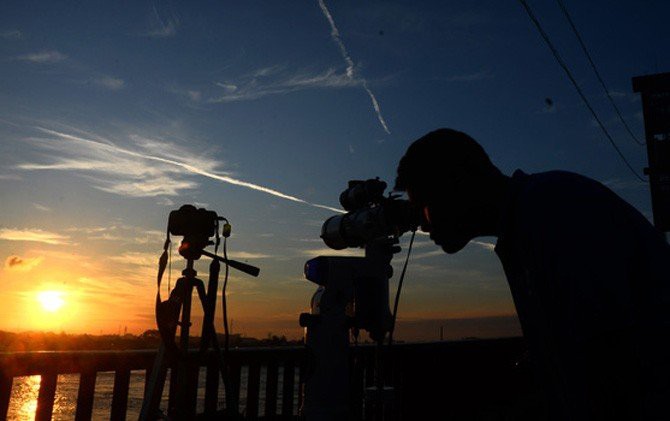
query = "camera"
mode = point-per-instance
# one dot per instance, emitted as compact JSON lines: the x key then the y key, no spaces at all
{"x":188,"y":221}
{"x":196,"y":226}
{"x":371,"y":216}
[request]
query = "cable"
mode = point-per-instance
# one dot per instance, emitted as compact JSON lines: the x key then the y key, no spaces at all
{"x":170,"y":268}
{"x":397,"y":294}
{"x":223,"y":298}
{"x":226,"y":332}
{"x":576,"y":86}
{"x":595,"y":70}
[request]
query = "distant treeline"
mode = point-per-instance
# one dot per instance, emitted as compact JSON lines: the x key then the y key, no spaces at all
{"x":150,"y":339}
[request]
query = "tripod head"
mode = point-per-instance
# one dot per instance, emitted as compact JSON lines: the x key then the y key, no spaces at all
{"x":198,"y":226}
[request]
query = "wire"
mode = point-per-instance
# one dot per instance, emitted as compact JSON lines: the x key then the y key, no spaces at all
{"x":397,"y":293}
{"x":595,"y":70}
{"x":561,"y":63}
{"x":223,"y":298}
{"x":170,"y":269}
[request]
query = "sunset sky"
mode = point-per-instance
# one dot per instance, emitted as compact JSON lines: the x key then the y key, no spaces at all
{"x":113,"y":114}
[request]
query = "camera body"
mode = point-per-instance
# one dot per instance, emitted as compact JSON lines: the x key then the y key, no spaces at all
{"x":189,"y":221}
{"x":197,"y":226}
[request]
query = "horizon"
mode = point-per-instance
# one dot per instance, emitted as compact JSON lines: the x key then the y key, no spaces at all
{"x":113,"y":115}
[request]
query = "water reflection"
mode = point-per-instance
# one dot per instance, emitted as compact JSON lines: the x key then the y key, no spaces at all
{"x":25,"y":391}
{"x":23,"y":404}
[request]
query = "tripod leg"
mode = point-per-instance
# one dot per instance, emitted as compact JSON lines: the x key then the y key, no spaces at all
{"x":209,"y":335}
{"x":154,"y":392}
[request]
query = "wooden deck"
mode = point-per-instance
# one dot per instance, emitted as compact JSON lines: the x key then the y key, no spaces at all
{"x":475,"y":379}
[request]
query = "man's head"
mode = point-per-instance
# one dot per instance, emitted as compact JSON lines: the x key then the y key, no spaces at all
{"x":450,"y":176}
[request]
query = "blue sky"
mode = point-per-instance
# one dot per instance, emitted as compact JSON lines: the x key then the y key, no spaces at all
{"x":113,"y":114}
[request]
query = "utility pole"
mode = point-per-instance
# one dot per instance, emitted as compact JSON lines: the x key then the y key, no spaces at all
{"x":655,"y":90}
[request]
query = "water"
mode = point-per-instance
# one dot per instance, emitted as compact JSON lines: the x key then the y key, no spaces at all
{"x":25,"y":389}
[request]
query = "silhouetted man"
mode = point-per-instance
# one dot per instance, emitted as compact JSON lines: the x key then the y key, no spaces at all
{"x":590,"y":276}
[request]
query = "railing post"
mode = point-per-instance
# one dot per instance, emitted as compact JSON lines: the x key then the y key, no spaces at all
{"x":45,"y":398}
{"x":120,"y":396}
{"x":235,"y":372}
{"x":85,"y":396}
{"x":253,"y":386}
{"x":212,"y":388}
{"x":5,"y":394}
{"x":287,"y":389}
{"x":271,"y":390}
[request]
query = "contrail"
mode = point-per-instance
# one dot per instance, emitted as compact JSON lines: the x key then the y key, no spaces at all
{"x":183,"y":165}
{"x":335,"y":34}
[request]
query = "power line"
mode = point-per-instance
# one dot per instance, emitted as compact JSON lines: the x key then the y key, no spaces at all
{"x":595,"y":70}
{"x":561,"y":63}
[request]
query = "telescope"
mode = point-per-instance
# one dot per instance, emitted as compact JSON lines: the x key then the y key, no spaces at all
{"x":352,"y":295}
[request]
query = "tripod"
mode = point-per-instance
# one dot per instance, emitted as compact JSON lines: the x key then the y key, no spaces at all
{"x":184,"y":376}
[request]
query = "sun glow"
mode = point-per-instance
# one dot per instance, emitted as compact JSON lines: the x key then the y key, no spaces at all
{"x":51,"y":301}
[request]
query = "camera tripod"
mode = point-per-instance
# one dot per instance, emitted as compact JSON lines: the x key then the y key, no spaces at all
{"x":183,"y":380}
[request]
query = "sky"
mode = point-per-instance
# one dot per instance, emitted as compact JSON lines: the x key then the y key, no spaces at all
{"x":112,"y":114}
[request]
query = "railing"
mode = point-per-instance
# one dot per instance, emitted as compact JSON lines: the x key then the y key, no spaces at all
{"x":469,"y":374}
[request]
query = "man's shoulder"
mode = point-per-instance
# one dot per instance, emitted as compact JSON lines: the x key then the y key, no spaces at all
{"x":560,"y":189}
{"x":558,"y":180}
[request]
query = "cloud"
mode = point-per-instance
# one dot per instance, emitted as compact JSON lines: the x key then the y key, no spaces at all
{"x":111,"y":83}
{"x":41,"y":207}
{"x":258,"y":85}
{"x":121,"y":233}
{"x":34,"y":235}
{"x":227,"y":86}
{"x":153,"y":167}
{"x":325,"y":251}
{"x":619,"y":184}
{"x":43,"y":57}
{"x":484,"y":244}
{"x":247,"y":255}
{"x":22,"y":264}
{"x":11,"y":34}
{"x":335,"y":35}
{"x":470,"y":77}
{"x":10,"y":177}
{"x":162,"y":24}
{"x":137,"y":259}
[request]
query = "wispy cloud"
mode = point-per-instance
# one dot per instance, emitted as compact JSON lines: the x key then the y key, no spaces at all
{"x":41,"y":207}
{"x":11,"y":34}
{"x":111,"y":83}
{"x":470,"y":77}
{"x":335,"y":35}
{"x":52,"y":56}
{"x":153,"y":167}
{"x":325,"y":251}
{"x":619,"y":184}
{"x":259,"y":84}
{"x":484,"y":244}
{"x":163,"y":23}
{"x":137,"y":259}
{"x":120,"y":233}
{"x":248,"y":255}
{"x":13,"y":177}
{"x":22,"y":264}
{"x":34,"y":235}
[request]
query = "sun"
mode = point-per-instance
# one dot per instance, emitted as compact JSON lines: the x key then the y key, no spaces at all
{"x":51,"y":301}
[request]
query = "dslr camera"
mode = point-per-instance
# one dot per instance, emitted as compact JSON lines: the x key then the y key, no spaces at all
{"x":197,"y":226}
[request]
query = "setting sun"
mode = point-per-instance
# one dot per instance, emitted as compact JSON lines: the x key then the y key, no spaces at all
{"x":50,"y":300}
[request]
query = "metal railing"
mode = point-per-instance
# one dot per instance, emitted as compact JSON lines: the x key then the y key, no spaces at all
{"x":479,"y":373}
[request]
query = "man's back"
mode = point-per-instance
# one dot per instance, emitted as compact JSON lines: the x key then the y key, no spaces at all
{"x":590,"y":279}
